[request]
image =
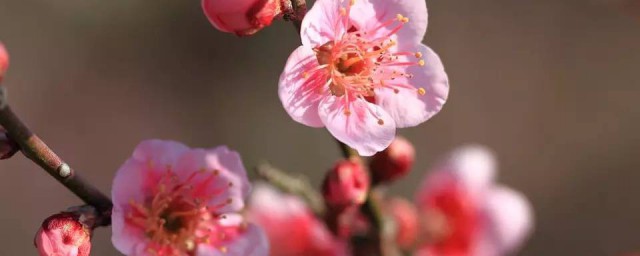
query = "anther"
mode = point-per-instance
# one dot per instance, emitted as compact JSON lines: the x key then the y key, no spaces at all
{"x":418,"y":55}
{"x":421,"y":63}
{"x":380,"y":122}
{"x":422,"y":91}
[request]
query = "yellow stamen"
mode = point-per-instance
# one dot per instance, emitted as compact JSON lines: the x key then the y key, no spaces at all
{"x":421,"y":63}
{"x":422,"y":91}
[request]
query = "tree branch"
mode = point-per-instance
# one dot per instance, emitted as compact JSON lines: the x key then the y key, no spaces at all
{"x":36,"y":150}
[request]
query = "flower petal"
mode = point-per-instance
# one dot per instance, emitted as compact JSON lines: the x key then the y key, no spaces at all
{"x":129,"y":183}
{"x":125,"y":238}
{"x":367,"y":128}
{"x":227,"y":179}
{"x":323,"y":23}
{"x":300,"y":94}
{"x":509,"y":220}
{"x":408,"y":107}
{"x":160,"y":152}
{"x":370,"y":14}
{"x":253,"y":242}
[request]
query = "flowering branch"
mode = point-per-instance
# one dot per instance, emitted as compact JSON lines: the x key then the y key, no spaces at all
{"x":36,"y":150}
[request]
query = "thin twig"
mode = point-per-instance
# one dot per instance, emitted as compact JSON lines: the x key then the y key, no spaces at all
{"x":293,"y":185}
{"x":36,"y":150}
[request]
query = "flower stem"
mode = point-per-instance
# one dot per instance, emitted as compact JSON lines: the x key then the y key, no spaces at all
{"x":375,"y":243}
{"x":294,"y":185}
{"x":36,"y":150}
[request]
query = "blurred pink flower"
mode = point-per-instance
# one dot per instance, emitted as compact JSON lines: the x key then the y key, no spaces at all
{"x":362,"y":71}
{"x":4,"y":61}
{"x":63,"y":234}
{"x":172,"y":200}
{"x":241,"y":17}
{"x":464,"y":213}
{"x":290,"y":225}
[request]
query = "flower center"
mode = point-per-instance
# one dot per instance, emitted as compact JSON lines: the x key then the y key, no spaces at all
{"x":175,"y":218}
{"x":362,"y":61}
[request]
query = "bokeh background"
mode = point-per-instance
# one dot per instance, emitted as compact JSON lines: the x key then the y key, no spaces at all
{"x":552,"y":86}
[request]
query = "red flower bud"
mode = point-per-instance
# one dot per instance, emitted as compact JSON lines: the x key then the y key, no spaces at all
{"x":394,"y":162}
{"x":8,"y":147}
{"x":242,"y":17}
{"x":63,"y":234}
{"x":347,"y":184}
{"x":405,"y":217}
{"x":4,"y":61}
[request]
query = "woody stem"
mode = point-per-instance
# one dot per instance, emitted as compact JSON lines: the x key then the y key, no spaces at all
{"x":37,"y":151}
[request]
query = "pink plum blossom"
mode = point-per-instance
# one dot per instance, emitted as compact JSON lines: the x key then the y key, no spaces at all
{"x":290,"y":225}
{"x":175,"y":201}
{"x":463,"y":211}
{"x":362,"y":71}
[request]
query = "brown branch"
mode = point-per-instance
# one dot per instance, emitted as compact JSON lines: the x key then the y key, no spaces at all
{"x":36,"y":150}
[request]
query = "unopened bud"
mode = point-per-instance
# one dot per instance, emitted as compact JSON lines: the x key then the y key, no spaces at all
{"x":8,"y":147}
{"x":63,"y":234}
{"x":4,"y":61}
{"x":394,"y":162}
{"x":347,"y":184}
{"x":241,"y":17}
{"x":405,"y":217}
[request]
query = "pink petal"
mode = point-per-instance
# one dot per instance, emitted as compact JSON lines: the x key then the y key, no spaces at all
{"x":125,"y":237}
{"x":367,"y":129}
{"x":369,"y":14}
{"x":251,"y":243}
{"x":509,"y":220}
{"x":408,"y":107}
{"x":300,"y":96}
{"x":322,"y":23}
{"x":230,"y":182}
{"x":159,"y":152}
{"x":128,"y":183}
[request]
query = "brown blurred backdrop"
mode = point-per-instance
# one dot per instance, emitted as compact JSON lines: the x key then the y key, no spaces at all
{"x":552,"y":86}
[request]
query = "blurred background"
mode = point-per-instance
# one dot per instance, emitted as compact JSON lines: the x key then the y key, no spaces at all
{"x":552,"y":86}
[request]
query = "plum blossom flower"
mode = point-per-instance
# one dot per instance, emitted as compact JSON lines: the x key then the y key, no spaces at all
{"x":175,"y":201}
{"x":362,"y":71}
{"x":464,"y":213}
{"x":290,"y":225}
